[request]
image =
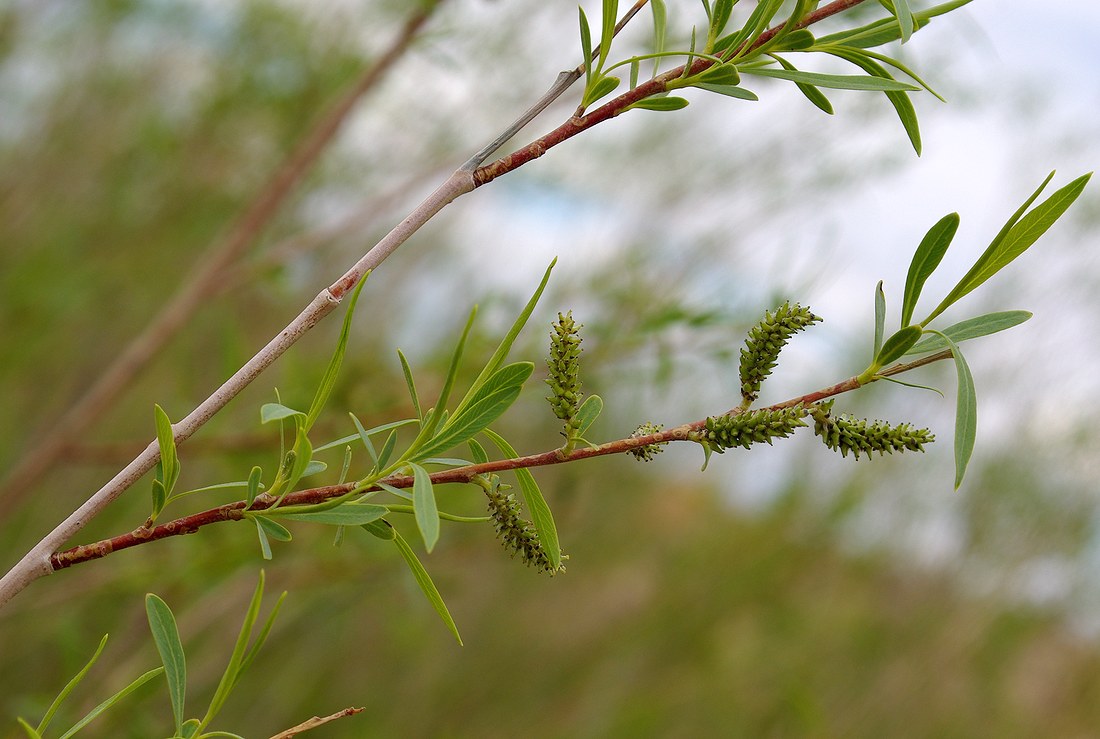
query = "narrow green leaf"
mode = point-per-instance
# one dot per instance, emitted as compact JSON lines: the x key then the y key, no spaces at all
{"x":167,"y":639}
{"x":27,"y":728}
{"x":607,"y":33}
{"x":470,"y":423}
{"x":277,"y":412}
{"x":599,"y":89}
{"x":435,"y":416}
{"x":660,"y":25}
{"x":398,"y":492}
{"x":721,"y":16}
{"x":477,"y":452}
{"x":834,"y":81}
{"x":265,"y":545}
{"x":258,"y":642}
{"x":167,"y":443}
{"x":273,"y":529}
{"x":346,"y":514}
{"x":905,"y":19}
{"x":387,"y":450}
{"x":972,"y":328}
{"x":588,"y":413}
{"x":586,"y":47}
{"x":725,"y":74}
{"x":811,"y":93}
{"x":410,"y":384}
{"x":511,"y":375}
{"x":427,"y":514}
{"x":253,"y":484}
{"x":505,"y":345}
{"x":925,"y":260}
{"x":381,"y":529}
{"x":313,"y":468}
{"x":328,"y":380}
{"x":914,"y":385}
{"x":95,"y":712}
{"x":232,"y":673}
{"x":1018,"y":237}
{"x":541,"y":516}
{"x":798,"y":40}
{"x":425,"y":582}
{"x":160,"y":498}
{"x":635,"y":67}
{"x":880,"y":319}
{"x":729,"y":90}
{"x":661,"y":104}
{"x":45,"y":723}
{"x":903,"y":106}
{"x":966,"y":412}
{"x":898,"y":344}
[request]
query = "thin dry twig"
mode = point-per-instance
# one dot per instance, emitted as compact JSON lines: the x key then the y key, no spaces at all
{"x":316,"y":721}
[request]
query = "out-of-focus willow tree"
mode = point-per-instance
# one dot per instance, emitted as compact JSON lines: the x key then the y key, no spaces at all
{"x":133,"y":134}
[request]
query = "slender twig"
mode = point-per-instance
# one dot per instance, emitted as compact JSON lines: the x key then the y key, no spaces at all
{"x":609,"y":110}
{"x":316,"y":721}
{"x":37,"y":562}
{"x":202,"y":283}
{"x":236,"y":511}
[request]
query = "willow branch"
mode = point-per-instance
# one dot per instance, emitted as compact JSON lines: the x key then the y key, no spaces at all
{"x":237,"y":511}
{"x":36,"y":563}
{"x":609,"y":110}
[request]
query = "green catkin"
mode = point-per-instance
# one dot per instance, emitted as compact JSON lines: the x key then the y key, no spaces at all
{"x":846,"y":434}
{"x":766,"y":339}
{"x":649,"y":451}
{"x":564,"y":366}
{"x":517,"y":534}
{"x":751,"y":427}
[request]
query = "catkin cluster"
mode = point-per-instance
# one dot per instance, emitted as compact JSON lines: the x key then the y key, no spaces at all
{"x":846,"y":434}
{"x":564,"y":366}
{"x":517,"y":534}
{"x":751,"y":427}
{"x":766,"y":339}
{"x":649,"y":451}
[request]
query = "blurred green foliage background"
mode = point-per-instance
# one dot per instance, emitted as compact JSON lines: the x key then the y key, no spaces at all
{"x":132,"y":133}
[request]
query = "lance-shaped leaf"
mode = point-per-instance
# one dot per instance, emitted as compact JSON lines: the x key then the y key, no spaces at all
{"x":607,"y":34}
{"x":1019,"y":233}
{"x":903,"y":106}
{"x":46,"y":719}
{"x":166,"y":637}
{"x":835,"y":81}
{"x":812,"y":94}
{"x":880,"y":319}
{"x":328,"y":380}
{"x":277,"y":412}
{"x":486,"y":405}
{"x":424,"y":507}
{"x":898,"y":344}
{"x":242,"y":655}
{"x":663,"y":103}
{"x":729,"y":90}
{"x":419,"y":574}
{"x":95,"y":712}
{"x":660,"y":25}
{"x":925,"y":260}
{"x":757,"y":21}
{"x":410,"y":384}
{"x":345,"y":514}
{"x":971,"y":328}
{"x":166,"y":441}
{"x":966,"y":412}
{"x":541,"y":516}
{"x":588,"y":413}
{"x":505,"y":345}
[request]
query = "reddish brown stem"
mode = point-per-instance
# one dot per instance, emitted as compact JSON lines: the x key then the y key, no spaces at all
{"x":657,"y":85}
{"x":236,"y":511}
